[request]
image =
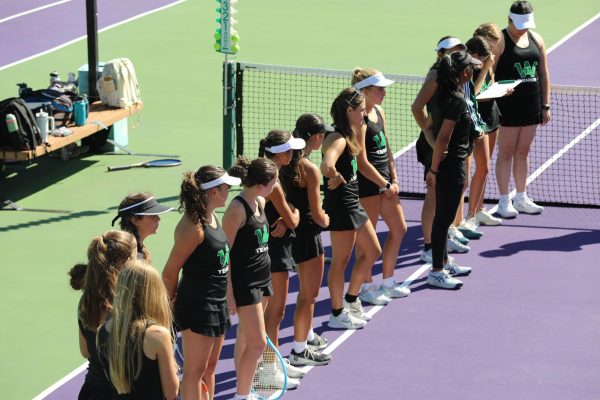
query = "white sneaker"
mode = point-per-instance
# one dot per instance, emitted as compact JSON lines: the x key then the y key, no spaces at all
{"x":468,"y":227}
{"x":426,"y":256}
{"x":345,"y":321}
{"x":293,"y":371}
{"x":269,"y":376}
{"x":483,"y":217}
{"x":457,"y":234}
{"x":374,"y":296}
{"x":396,"y":291}
{"x":506,"y":209}
{"x":356,"y":310}
{"x":527,"y":206}
{"x":455,"y":246}
{"x":442,"y":279}
{"x":454,"y":269}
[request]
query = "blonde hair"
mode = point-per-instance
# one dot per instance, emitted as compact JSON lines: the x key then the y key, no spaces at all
{"x":360,"y":74}
{"x":489,"y":31}
{"x":140,"y":301}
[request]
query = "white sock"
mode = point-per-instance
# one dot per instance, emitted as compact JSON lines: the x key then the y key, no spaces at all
{"x":504,"y":198}
{"x":368,"y":286}
{"x":311,"y":334}
{"x":240,"y":397}
{"x":520,"y":195}
{"x":388,"y":282}
{"x":299,"y":347}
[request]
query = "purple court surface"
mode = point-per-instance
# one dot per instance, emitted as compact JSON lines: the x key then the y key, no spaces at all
{"x":524,"y":326}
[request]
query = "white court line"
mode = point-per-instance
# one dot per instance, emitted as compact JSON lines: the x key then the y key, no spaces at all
{"x":375,"y":309}
{"x":573,"y":33}
{"x":33,"y":10}
{"x":70,"y":42}
{"x":61,"y":382}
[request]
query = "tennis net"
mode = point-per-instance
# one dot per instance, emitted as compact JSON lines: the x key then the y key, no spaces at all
{"x":564,"y":160}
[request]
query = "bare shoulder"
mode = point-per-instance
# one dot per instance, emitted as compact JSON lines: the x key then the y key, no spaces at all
{"x":156,"y":338}
{"x":188,"y":230}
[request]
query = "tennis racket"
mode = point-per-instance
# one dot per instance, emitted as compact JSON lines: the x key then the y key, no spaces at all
{"x":270,"y":378}
{"x":163,"y":162}
{"x":204,"y":394}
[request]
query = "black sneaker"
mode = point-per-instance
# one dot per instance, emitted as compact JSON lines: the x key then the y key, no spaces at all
{"x":318,"y":342}
{"x":308,"y":357}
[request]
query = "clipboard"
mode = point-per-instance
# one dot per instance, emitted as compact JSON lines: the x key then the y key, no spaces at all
{"x":498,"y":89}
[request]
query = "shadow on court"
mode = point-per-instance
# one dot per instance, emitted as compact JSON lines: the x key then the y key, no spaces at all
{"x":566,"y":243}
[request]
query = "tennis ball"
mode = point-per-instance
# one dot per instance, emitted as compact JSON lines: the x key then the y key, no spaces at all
{"x":217,"y":36}
{"x":235,"y":48}
{"x":218,"y":46}
{"x":235,"y":37}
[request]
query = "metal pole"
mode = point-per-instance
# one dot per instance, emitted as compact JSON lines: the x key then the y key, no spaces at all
{"x":92,"y":47}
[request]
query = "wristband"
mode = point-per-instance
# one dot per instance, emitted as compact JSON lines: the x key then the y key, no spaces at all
{"x":545,"y":106}
{"x":433,"y":172}
{"x":385,"y":188}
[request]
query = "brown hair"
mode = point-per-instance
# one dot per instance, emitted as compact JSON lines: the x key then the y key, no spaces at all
{"x":489,"y":31}
{"x":107,"y":255}
{"x":259,"y":171}
{"x":275,"y":137}
{"x":192,"y":198}
{"x":478,"y":45}
{"x":348,"y":97}
{"x":128,"y":216}
{"x":360,"y":74}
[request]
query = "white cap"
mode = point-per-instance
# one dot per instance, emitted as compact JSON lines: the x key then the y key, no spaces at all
{"x":225,"y":178}
{"x":449,"y":43}
{"x":522,"y":21}
{"x":292,"y":144}
{"x":373,"y":80}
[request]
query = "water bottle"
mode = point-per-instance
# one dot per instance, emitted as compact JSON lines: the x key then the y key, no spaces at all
{"x":87,"y":104}
{"x":80,"y":112}
{"x":11,"y":123}
{"x":54,"y":77}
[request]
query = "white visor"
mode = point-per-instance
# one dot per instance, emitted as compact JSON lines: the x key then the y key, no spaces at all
{"x":448,"y":44}
{"x":374,"y":80}
{"x":225,"y":178}
{"x":292,"y":144}
{"x":522,"y":21}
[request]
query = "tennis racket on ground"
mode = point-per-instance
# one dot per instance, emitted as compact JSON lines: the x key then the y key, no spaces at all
{"x":163,"y":162}
{"x":270,"y":378}
{"x":204,"y":394}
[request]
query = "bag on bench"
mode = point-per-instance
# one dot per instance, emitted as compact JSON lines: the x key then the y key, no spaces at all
{"x":27,"y":136}
{"x":56,"y":103}
{"x":118,"y":84}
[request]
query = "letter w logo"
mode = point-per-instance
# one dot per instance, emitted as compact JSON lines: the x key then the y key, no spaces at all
{"x":526,"y":70}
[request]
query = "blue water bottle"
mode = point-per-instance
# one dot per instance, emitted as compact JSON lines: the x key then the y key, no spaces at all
{"x":80,"y":112}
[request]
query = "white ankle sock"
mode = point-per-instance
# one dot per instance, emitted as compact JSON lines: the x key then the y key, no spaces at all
{"x":311,"y":334}
{"x":504,"y":198}
{"x":520,"y":195}
{"x":299,"y":347}
{"x":388,"y":282}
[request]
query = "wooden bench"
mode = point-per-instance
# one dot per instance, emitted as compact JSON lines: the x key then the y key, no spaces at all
{"x":99,"y":118}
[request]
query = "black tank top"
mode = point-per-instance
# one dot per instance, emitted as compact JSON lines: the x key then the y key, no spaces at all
{"x":95,"y":376}
{"x":344,"y":196}
{"x":204,"y":278}
{"x":298,"y":197}
{"x":376,"y":145}
{"x":519,"y":63}
{"x":147,"y":385}
{"x":250,"y":263}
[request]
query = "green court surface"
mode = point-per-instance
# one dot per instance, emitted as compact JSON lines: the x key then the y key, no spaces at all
{"x":180,"y":79}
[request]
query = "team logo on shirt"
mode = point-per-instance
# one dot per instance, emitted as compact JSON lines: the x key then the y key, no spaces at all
{"x":223,"y":255}
{"x":380,"y":142}
{"x":527,"y":71}
{"x":354,"y":169}
{"x":262,"y":237}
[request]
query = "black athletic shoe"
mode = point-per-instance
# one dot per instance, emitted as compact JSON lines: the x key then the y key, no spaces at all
{"x":308,"y":357}
{"x":318,"y":342}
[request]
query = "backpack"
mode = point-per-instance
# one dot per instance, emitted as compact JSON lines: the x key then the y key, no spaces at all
{"x":27,"y":137}
{"x":118,"y":85}
{"x":56,"y":103}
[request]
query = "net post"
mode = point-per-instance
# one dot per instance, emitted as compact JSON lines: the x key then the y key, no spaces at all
{"x":228,"y":112}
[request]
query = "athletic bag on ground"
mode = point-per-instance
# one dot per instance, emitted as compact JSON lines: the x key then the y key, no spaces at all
{"x":118,"y":84}
{"x":27,"y":135}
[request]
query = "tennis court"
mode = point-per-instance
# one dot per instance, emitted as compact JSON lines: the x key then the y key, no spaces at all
{"x":522,"y":327}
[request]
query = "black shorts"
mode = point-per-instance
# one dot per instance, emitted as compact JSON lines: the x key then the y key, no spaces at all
{"x":347,"y":219}
{"x":249,"y":296}
{"x":212,"y":323}
{"x":280,"y":253}
{"x":307,"y":244}
{"x":367,"y":187}
{"x":490,"y":114}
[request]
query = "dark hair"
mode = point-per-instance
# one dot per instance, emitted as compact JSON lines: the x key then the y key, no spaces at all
{"x":348,"y":97}
{"x":259,"y":171}
{"x":307,"y":125}
{"x":521,"y":7}
{"x":77,"y":276}
{"x":192,"y":198}
{"x":127,"y":216}
{"x":448,"y":73}
{"x":107,"y":255}
{"x":274,"y":138}
{"x":478,"y":45}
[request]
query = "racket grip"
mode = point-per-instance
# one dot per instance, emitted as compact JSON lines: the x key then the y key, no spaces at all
{"x":119,"y":168}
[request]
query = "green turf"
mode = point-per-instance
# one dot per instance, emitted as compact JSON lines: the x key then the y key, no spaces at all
{"x":180,"y":76}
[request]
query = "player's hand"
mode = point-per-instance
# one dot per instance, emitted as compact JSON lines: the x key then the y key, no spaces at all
{"x":278,"y":228}
{"x":335,"y":182}
{"x":546,"y":116}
